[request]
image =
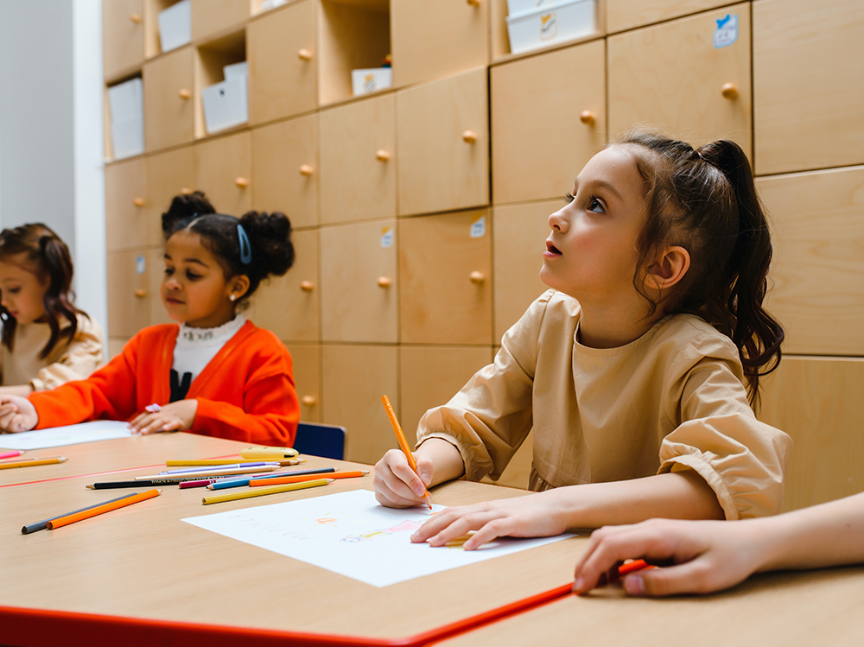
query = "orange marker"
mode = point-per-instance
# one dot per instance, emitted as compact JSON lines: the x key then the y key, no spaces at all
{"x":404,"y":445}
{"x":306,"y":477}
{"x":92,"y":512}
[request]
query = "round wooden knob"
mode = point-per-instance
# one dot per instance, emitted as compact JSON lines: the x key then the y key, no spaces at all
{"x":384,"y":281}
{"x":587,"y":118}
{"x":185,"y":94}
{"x":139,"y":202}
{"x":307,"y":286}
{"x":382,"y":155}
{"x":242,"y":182}
{"x":729,"y":91}
{"x":185,"y":190}
{"x":306,"y":170}
{"x":140,"y":293}
{"x":477,"y":277}
{"x":304,"y":54}
{"x":308,"y":400}
{"x":136,"y":18}
{"x":473,"y":3}
{"x":469,"y":136}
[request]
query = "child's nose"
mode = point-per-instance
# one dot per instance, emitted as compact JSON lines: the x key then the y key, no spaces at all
{"x":557,"y":222}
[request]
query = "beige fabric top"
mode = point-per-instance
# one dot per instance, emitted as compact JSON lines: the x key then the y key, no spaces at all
{"x":671,"y":400}
{"x":67,"y":361}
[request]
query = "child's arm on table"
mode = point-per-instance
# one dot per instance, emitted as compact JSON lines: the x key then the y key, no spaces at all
{"x":678,"y":495}
{"x":396,"y":484}
{"x":711,"y":556}
{"x":17,"y":414}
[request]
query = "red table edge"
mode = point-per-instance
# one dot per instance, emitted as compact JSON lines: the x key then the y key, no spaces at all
{"x":43,"y":628}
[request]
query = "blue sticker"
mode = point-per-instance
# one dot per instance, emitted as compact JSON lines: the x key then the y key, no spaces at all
{"x":387,"y":237}
{"x":478,"y":227}
{"x":140,"y":265}
{"x":727,"y":31}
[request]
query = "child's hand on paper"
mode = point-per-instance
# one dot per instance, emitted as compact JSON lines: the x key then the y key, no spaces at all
{"x":537,"y":515}
{"x":17,"y":414}
{"x":709,"y":555}
{"x":177,"y":416}
{"x":396,"y":484}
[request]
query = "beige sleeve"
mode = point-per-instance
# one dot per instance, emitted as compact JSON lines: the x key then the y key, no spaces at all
{"x":82,"y":356}
{"x":491,"y":416}
{"x":742,"y":459}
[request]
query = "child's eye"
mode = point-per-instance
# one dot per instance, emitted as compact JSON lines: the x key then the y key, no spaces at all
{"x":595,"y":206}
{"x":169,"y":271}
{"x":569,"y":197}
{"x":192,"y":276}
{"x":14,"y":290}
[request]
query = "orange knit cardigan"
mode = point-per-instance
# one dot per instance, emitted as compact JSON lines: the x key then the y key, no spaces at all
{"x":245,"y":393}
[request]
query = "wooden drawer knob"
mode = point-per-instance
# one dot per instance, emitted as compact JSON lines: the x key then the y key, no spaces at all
{"x":477,"y":277}
{"x":136,"y":18}
{"x":306,"y":170}
{"x":308,"y":400}
{"x":185,"y":94}
{"x":587,"y":118}
{"x":304,"y":54}
{"x":729,"y":91}
{"x":384,"y":281}
{"x":382,"y":155}
{"x":469,"y":136}
{"x":138,"y":202}
{"x":242,"y":182}
{"x":140,"y":293}
{"x":473,"y":3}
{"x":185,"y":190}
{"x":307,"y":286}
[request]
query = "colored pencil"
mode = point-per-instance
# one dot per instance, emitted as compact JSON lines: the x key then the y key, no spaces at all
{"x":309,"y":477}
{"x":229,"y":483}
{"x":31,"y":463}
{"x":220,"y":468}
{"x":10,"y":454}
{"x":203,"y":482}
{"x":207,"y":474}
{"x":41,"y":525}
{"x":114,"y":485}
{"x":402,"y":443}
{"x":229,"y":461}
{"x":107,"y":507}
{"x":276,"y":489}
{"x":4,"y":461}
{"x":269,"y":453}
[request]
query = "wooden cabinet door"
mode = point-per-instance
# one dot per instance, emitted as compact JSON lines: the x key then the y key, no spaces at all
{"x":358,"y":175}
{"x":307,"y":379}
{"x":126,"y":201}
{"x":285,"y":169}
{"x":122,"y":35}
{"x":430,"y":375}
{"x":169,"y":100}
{"x":354,"y":377}
{"x":817,"y":401}
{"x":443,"y":144}
{"x":519,"y":242}
{"x":539,"y":141}
{"x":289,"y":305}
{"x":445,"y":283}
{"x":128,"y":292}
{"x":436,"y":38}
{"x":155,"y":272}
{"x":223,"y":167}
{"x":818,"y":266}
{"x":673,"y":76}
{"x":212,"y":17}
{"x":627,"y":14}
{"x":170,"y":174}
{"x":808,"y":62}
{"x":359,"y":283}
{"x":283,"y":64}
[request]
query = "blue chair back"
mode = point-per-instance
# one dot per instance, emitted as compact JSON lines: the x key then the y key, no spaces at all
{"x":327,"y":441}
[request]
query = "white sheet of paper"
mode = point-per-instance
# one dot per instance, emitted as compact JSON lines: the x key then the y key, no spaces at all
{"x":86,"y":432}
{"x":353,"y":535}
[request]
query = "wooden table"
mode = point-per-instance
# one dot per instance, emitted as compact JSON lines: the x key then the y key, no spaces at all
{"x":141,"y":576}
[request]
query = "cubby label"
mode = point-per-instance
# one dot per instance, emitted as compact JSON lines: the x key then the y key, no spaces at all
{"x":140,"y":265}
{"x":727,"y":31}
{"x":478,"y":227}
{"x":386,"y":237}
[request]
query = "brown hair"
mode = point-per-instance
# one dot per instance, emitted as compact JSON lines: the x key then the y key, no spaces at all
{"x":50,"y":258}
{"x":705,"y":201}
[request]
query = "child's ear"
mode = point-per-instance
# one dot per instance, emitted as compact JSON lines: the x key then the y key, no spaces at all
{"x":669,"y":268}
{"x":238,"y":286}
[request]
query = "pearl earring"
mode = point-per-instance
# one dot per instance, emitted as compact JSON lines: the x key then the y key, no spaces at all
{"x":232,"y":297}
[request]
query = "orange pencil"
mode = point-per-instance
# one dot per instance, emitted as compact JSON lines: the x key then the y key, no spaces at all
{"x":404,"y":445}
{"x":307,"y":477}
{"x":92,"y":512}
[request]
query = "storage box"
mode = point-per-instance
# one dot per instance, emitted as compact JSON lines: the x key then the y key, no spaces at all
{"x":127,"y":137}
{"x":226,"y":104}
{"x":175,"y":25}
{"x":126,"y":104}
{"x":519,"y":7}
{"x":566,"y":21}
{"x":235,"y":70}
{"x":371,"y":80}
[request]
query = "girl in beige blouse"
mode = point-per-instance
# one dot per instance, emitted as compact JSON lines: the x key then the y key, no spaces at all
{"x":636,"y":370}
{"x":45,"y":341}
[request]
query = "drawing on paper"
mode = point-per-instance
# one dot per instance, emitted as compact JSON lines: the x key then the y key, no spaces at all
{"x":399,"y":527}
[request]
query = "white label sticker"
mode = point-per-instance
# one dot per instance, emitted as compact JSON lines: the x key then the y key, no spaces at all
{"x":140,"y":265}
{"x":548,"y":26}
{"x":478,"y":227}
{"x":387,"y":237}
{"x":727,"y":31}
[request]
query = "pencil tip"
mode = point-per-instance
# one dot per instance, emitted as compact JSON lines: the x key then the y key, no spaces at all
{"x":91,"y":487}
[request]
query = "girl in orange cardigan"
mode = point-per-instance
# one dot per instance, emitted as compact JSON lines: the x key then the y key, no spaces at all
{"x":216,"y":373}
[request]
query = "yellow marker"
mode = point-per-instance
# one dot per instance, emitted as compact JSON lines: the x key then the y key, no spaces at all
{"x":27,"y":462}
{"x":271,"y":453}
{"x":261,"y":491}
{"x":229,"y":461}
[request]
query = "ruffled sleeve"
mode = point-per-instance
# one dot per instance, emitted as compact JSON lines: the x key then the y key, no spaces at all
{"x":79,"y":359}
